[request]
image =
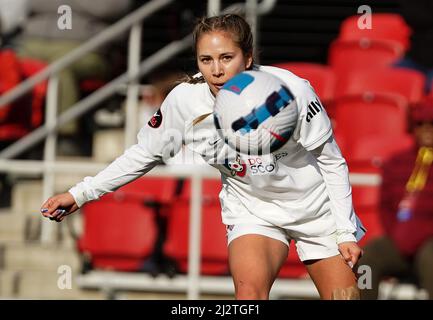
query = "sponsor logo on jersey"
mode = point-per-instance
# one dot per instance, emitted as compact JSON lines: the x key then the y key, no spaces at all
{"x":313,"y":108}
{"x":258,"y":167}
{"x":236,"y":167}
{"x":255,"y":165}
{"x":280,"y":155}
{"x":156,"y":119}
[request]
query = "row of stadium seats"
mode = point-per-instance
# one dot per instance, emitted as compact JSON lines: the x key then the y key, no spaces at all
{"x":121,"y":233}
{"x":358,"y":47}
{"x":383,"y":80}
{"x":370,"y":110}
{"x":366,"y":97}
{"x":27,"y":113}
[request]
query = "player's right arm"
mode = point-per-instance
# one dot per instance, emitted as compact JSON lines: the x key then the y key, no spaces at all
{"x":153,"y":143}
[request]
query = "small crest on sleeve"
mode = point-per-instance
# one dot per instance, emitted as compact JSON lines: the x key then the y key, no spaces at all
{"x":156,"y":119}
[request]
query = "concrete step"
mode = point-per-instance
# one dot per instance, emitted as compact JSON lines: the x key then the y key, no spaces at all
{"x":12,"y":227}
{"x":66,"y":231}
{"x":108,"y":145}
{"x":27,"y":196}
{"x":39,"y":284}
{"x":32,"y":284}
{"x":25,"y":256}
{"x":9,"y":283}
{"x":19,"y":227}
{"x":24,"y":221}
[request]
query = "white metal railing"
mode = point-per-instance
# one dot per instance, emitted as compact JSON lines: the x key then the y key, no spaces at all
{"x":50,"y":148}
{"x":96,"y":97}
{"x":133,"y":91}
{"x":99,"y":40}
{"x":213,"y":7}
{"x":131,"y":22}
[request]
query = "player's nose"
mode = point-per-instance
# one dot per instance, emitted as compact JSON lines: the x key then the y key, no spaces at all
{"x":217,"y":69}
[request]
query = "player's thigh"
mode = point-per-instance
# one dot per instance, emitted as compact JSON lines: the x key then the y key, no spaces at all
{"x":333,"y":278}
{"x":255,"y":261}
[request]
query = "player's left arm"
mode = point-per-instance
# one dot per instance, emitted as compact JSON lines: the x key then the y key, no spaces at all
{"x":314,"y":133}
{"x":335,"y":173}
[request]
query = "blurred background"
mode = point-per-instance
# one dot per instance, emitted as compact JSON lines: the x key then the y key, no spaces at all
{"x":77,"y":82}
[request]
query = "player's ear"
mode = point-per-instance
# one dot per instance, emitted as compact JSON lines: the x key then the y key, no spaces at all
{"x":248,"y":61}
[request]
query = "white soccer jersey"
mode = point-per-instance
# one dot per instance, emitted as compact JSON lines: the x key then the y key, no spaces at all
{"x":289,"y":188}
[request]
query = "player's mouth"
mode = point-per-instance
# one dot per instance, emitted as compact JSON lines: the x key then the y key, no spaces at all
{"x":218,"y":85}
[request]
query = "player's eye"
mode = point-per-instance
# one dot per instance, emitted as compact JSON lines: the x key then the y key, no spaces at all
{"x":205,"y":60}
{"x":227,"y":58}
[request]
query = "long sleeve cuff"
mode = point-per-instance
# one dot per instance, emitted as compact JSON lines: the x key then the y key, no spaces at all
{"x":79,"y":196}
{"x":345,"y":236}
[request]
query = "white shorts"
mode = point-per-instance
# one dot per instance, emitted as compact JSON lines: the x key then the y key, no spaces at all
{"x":309,"y":248}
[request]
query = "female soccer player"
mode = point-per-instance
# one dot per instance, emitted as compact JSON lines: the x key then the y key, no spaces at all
{"x":303,"y":194}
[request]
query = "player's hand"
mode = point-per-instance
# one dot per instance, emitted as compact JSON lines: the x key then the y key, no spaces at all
{"x":351,"y":252}
{"x":59,"y":206}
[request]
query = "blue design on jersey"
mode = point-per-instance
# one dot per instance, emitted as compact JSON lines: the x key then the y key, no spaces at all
{"x":276,"y":102}
{"x":238,"y":83}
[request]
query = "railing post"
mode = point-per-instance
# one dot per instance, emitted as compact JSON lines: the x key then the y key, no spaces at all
{"x":213,"y":7}
{"x":194,"y":248}
{"x":252,"y":18}
{"x":133,"y":93}
{"x":49,"y":154}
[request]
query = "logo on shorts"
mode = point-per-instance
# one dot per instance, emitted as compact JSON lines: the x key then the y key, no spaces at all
{"x":156,"y":119}
{"x":230,"y":227}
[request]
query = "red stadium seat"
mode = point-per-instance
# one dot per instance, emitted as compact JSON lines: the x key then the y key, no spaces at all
{"x":371,"y":220}
{"x":214,"y":252}
{"x":406,"y":82}
{"x":320,"y":76}
{"x":378,"y":132}
{"x":351,"y":56}
{"x":120,"y":229}
{"x":376,"y":150}
{"x":385,"y":26}
{"x":26,"y":113}
{"x":30,"y":67}
{"x":118,"y":234}
{"x":360,"y":117}
{"x":366,"y":202}
{"x":148,"y":189}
